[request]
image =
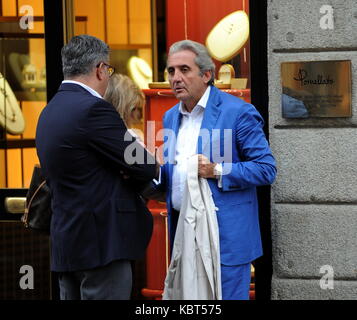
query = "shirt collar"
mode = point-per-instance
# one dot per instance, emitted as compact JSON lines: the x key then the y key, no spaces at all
{"x":202,"y":102}
{"x":92,"y":91}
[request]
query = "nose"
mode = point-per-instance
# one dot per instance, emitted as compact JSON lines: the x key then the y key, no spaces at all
{"x":176,"y":76}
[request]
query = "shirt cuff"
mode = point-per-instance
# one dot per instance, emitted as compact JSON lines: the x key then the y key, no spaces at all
{"x":218,"y":170}
{"x":158,"y":180}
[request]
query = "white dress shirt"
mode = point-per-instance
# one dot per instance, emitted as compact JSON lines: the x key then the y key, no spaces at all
{"x":186,"y":146}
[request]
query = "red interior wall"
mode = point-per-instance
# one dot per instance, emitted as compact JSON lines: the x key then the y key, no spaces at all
{"x":201,"y":17}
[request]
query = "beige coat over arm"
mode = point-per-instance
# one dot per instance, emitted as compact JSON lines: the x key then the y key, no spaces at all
{"x":195,"y":272}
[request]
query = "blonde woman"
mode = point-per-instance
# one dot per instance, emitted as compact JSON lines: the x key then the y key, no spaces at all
{"x":128,"y":100}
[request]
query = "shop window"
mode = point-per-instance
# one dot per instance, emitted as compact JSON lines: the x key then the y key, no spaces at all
{"x":195,"y":19}
{"x":22,"y":98}
{"x":23,"y":88}
{"x":126,"y":26}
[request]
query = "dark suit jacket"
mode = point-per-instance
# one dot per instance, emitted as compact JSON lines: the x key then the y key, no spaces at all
{"x":98,"y":216}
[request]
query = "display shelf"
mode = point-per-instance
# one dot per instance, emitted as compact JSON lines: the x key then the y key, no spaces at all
{"x":17,"y":143}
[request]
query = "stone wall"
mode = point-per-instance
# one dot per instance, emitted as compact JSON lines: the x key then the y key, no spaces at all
{"x":314,"y":199}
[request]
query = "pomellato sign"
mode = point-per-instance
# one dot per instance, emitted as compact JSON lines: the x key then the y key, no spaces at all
{"x":319,"y":80}
{"x":316,"y":89}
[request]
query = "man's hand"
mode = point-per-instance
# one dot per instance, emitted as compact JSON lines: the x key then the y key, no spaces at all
{"x":205,"y":167}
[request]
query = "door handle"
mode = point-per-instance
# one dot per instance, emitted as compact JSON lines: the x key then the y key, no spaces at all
{"x":15,"y":205}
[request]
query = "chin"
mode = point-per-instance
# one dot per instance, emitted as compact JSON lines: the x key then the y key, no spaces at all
{"x":180,"y":96}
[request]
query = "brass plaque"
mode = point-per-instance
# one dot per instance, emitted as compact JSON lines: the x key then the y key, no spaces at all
{"x":316,"y":89}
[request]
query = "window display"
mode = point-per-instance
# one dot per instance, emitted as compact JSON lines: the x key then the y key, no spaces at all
{"x":228,"y":36}
{"x":11,"y":117}
{"x":22,"y":89}
{"x":140,"y":72}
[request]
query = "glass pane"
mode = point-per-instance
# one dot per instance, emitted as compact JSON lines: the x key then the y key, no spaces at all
{"x":196,"y":19}
{"x":14,"y":162}
{"x":25,"y":255}
{"x":2,"y":169}
{"x":9,"y":8}
{"x":36,"y":5}
{"x":126,"y":27}
{"x":22,"y":87}
{"x":22,"y":252}
{"x":31,"y":111}
{"x":29,"y":160}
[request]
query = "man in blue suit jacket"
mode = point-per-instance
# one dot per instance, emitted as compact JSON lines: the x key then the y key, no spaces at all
{"x":210,"y":122}
{"x":99,"y":221}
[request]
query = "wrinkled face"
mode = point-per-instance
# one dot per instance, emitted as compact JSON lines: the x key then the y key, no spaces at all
{"x":185,"y":79}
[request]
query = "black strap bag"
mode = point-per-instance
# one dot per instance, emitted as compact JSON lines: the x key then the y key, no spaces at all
{"x":38,"y":210}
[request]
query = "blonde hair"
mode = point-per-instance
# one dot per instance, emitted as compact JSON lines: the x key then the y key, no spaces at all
{"x":124,"y":95}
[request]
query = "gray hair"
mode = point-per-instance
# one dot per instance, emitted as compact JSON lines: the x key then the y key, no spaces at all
{"x":202,"y":60}
{"x":81,"y":54}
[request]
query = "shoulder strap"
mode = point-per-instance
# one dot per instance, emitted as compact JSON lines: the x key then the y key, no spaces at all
{"x":25,"y":216}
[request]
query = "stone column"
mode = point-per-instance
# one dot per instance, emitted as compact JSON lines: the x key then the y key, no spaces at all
{"x":314,"y":199}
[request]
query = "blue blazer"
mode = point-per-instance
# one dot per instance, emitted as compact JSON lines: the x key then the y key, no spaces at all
{"x":98,"y":216}
{"x":247,"y":163}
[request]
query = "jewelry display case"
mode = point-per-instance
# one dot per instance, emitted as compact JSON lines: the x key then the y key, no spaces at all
{"x":22,"y":97}
{"x":25,"y":264}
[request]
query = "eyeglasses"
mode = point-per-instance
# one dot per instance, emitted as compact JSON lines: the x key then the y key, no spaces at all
{"x":110,"y":68}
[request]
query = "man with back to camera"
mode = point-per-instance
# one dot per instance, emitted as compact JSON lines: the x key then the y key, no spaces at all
{"x":99,"y":221}
{"x":203,"y":108}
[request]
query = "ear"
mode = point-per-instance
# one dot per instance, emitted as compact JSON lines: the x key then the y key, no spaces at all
{"x":207,"y":76}
{"x":100,"y":73}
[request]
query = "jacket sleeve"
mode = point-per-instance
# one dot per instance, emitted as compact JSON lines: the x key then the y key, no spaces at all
{"x":257,"y":165}
{"x":109,"y":137}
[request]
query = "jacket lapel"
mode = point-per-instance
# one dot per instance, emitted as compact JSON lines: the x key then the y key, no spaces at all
{"x":209,"y":121}
{"x":175,"y":124}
